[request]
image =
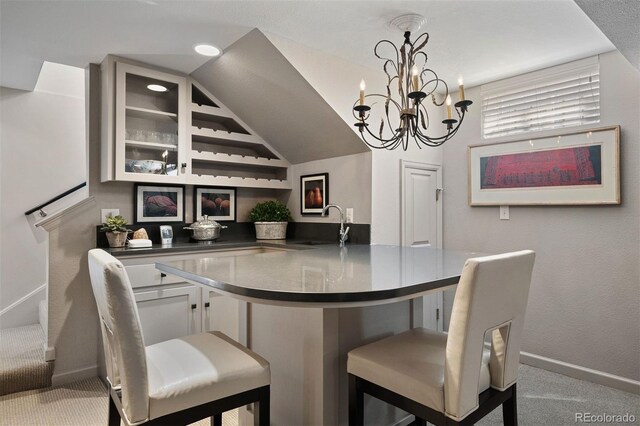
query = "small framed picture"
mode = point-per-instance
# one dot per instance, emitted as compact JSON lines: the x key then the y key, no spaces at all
{"x":314,"y":193}
{"x":217,"y":203}
{"x":158,"y":203}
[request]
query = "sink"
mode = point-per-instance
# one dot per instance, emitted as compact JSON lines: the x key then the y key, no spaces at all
{"x":311,"y":243}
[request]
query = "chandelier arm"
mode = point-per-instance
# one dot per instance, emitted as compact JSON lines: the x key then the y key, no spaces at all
{"x":389,"y":145}
{"x":384,"y":68}
{"x":418,"y":54}
{"x":435,"y":79}
{"x":383,"y":140}
{"x":420,"y":46}
{"x":383,"y":143}
{"x":437,"y":141}
{"x":391,"y":100}
{"x":421,"y":117}
{"x":375,"y":51}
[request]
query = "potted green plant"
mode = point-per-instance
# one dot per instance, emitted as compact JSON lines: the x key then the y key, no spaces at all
{"x":271,"y":219}
{"x":116,"y":229}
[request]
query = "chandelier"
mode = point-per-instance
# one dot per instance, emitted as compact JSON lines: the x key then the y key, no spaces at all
{"x":409,"y":84}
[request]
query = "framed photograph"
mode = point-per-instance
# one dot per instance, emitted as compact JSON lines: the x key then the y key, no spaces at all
{"x":314,"y":193}
{"x":158,"y":203}
{"x":217,"y":203}
{"x":567,"y":169}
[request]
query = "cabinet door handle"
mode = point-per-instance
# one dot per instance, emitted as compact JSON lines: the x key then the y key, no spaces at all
{"x":194,"y":306}
{"x":163,"y":275}
{"x":207,"y":304}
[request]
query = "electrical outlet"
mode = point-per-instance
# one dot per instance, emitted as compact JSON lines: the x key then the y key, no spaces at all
{"x":504,"y":212}
{"x":105,"y":213}
{"x":349,"y":218}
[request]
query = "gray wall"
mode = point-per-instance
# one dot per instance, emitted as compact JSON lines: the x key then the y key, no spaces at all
{"x":42,"y":138}
{"x":584,"y":303}
{"x":349,"y":186}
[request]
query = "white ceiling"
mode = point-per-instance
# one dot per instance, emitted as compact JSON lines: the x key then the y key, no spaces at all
{"x":482,"y":40}
{"x":621,"y":24}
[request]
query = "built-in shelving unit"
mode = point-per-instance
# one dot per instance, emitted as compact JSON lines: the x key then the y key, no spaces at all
{"x":181,"y":134}
{"x":224,"y":150}
{"x":150,"y":125}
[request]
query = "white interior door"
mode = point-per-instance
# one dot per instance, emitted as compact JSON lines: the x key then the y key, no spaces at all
{"x":421,"y":225}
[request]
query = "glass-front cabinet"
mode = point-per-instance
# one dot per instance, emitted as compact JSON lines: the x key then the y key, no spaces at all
{"x":150,"y":125}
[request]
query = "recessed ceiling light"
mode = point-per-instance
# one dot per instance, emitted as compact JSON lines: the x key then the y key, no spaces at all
{"x":157,"y":88}
{"x":207,"y":50}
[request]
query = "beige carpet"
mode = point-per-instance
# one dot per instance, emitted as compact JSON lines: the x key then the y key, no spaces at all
{"x":82,"y":403}
{"x":22,"y":365}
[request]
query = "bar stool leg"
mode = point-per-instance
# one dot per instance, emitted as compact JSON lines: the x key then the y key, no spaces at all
{"x":216,"y":420}
{"x":510,"y":409}
{"x":356,"y":402}
{"x":262,"y":408}
{"x":114,"y":414}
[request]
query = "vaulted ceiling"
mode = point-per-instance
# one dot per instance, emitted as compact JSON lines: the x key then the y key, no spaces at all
{"x":483,"y":40}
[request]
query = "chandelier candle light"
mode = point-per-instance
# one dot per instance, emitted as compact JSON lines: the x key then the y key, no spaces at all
{"x":407,"y":72}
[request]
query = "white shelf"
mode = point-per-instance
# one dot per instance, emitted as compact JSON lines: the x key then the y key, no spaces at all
{"x":244,"y":160}
{"x":239,"y":182}
{"x":209,"y":110}
{"x":150,"y":113}
{"x":222,"y":136}
{"x":151,"y":145}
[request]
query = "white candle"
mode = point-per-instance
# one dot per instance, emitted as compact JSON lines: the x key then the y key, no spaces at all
{"x":414,"y":75}
{"x":362,"y":87}
{"x":461,"y":88}
{"x":449,"y":107}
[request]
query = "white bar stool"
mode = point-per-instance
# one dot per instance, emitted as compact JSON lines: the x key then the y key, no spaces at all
{"x":179,"y":381}
{"x":452,"y":379}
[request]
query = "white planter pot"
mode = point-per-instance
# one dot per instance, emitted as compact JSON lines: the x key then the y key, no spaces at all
{"x":271,"y":230}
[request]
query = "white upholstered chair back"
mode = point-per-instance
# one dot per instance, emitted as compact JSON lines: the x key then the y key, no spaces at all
{"x":121,"y":333}
{"x":491,"y":297}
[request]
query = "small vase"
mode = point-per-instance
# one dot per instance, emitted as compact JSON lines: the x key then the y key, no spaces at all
{"x":117,"y":239}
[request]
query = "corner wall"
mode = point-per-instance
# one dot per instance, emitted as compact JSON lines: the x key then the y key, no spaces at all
{"x":584,"y":302}
{"x":349,"y":187}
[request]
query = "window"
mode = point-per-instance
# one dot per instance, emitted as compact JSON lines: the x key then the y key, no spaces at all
{"x":562,"y":96}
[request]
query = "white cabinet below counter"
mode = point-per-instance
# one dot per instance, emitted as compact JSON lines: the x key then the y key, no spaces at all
{"x":167,"y":312}
{"x":169,"y":307}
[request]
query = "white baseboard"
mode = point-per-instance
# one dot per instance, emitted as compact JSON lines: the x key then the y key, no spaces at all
{"x":582,"y":373}
{"x":49,"y":352}
{"x":74,"y":376}
{"x":23,"y":311}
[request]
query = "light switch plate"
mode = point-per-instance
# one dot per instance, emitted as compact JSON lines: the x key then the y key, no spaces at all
{"x":504,"y":212}
{"x":105,"y":213}
{"x":349,"y":218}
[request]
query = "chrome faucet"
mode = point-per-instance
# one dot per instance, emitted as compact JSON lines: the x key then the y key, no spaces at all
{"x":344,"y":233}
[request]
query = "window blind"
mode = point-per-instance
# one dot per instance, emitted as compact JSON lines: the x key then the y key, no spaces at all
{"x":562,"y":96}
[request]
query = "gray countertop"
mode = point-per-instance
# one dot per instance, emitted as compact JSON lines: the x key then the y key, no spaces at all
{"x":211,"y":246}
{"x":326,"y":274}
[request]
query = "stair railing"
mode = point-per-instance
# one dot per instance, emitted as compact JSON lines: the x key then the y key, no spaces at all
{"x":41,"y":207}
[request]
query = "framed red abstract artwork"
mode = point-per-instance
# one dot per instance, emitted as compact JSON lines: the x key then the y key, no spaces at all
{"x":571,"y":168}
